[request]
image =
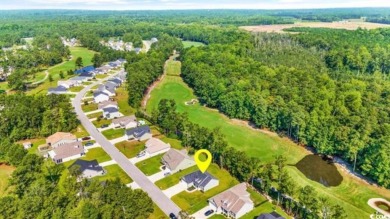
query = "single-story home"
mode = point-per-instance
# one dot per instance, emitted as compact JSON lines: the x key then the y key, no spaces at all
{"x":175,"y":160}
{"x":116,"y":81}
{"x":107,"y":90}
{"x":126,"y":122}
{"x":137,"y":50}
{"x":111,"y":112}
{"x":272,"y":215}
{"x":156,"y":146}
{"x":88,"y":169}
{"x":99,"y":97}
{"x":68,"y":84}
{"x":110,"y":85}
{"x":201,"y":181}
{"x":57,"y":90}
{"x":103,"y":69}
{"x":27,"y":145}
{"x":60,"y":138}
{"x":89,"y":74}
{"x":67,"y":152}
{"x":234,"y":202}
{"x":139,"y":133}
{"x":113,"y":64}
{"x":85,"y":69}
{"x":108,"y":103}
{"x":79,"y":80}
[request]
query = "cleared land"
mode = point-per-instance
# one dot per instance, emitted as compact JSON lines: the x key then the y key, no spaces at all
{"x":130,"y":148}
{"x":279,"y":28}
{"x":5,"y":174}
{"x":187,"y":44}
{"x":352,"y":194}
{"x":122,"y":97}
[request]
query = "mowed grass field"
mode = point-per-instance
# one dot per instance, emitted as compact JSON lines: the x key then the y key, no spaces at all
{"x":187,"y":44}
{"x":352,"y":194}
{"x":5,"y":173}
{"x":54,"y":71}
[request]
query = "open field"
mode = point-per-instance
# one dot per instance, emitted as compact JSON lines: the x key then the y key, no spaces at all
{"x":113,"y":172}
{"x":194,"y":201}
{"x":187,"y":44}
{"x":65,"y":66}
{"x":279,"y":28}
{"x":121,"y":97}
{"x":94,"y":115}
{"x":5,"y":173}
{"x":173,"y":68}
{"x":352,"y":194}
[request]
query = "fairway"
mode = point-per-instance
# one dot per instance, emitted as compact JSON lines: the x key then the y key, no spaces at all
{"x":352,"y":194}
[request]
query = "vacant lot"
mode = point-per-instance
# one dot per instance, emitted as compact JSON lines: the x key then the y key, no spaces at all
{"x":5,"y":173}
{"x":113,"y":133}
{"x":352,"y":194}
{"x":122,"y":97}
{"x":113,"y":172}
{"x":130,"y":148}
{"x":278,"y":28}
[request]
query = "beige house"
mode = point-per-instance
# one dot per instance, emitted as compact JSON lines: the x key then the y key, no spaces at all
{"x":107,"y":103}
{"x":156,"y":146}
{"x":60,"y":138}
{"x":176,"y":160}
{"x":66,"y":152}
{"x":126,"y":122}
{"x":234,"y":202}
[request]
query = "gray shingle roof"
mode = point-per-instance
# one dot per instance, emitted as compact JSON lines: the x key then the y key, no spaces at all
{"x":138,"y":131}
{"x":87,"y":165}
{"x":198,"y":178}
{"x":272,"y":215}
{"x":110,"y":110}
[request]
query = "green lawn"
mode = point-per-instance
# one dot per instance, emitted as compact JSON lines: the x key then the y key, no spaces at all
{"x":151,"y":165}
{"x":35,"y":143}
{"x":76,"y":89}
{"x":191,"y":43}
{"x":65,"y":66}
{"x":95,"y":115}
{"x":101,"y":122}
{"x":89,"y":107}
{"x":101,"y":76}
{"x":352,"y":194}
{"x":174,"y":179}
{"x":97,"y":153}
{"x":5,"y":174}
{"x":80,"y":132}
{"x":130,"y":148}
{"x":122,"y":98}
{"x":173,"y":142}
{"x":173,"y":68}
{"x":194,"y":201}
{"x":157,"y":213}
{"x":4,"y":85}
{"x":113,"y":133}
{"x":113,"y":172}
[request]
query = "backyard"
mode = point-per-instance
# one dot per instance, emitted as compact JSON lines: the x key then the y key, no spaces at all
{"x":352,"y":194}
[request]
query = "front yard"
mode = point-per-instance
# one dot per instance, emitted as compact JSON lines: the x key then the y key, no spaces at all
{"x":151,"y":165}
{"x":99,"y":122}
{"x":113,"y":172}
{"x":97,"y":153}
{"x":95,"y":115}
{"x":89,"y":107}
{"x":113,"y":133}
{"x":174,"y":179}
{"x":76,"y":89}
{"x":130,"y":148}
{"x":194,"y":201}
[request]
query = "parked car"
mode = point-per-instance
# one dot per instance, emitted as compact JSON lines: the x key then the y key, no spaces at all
{"x":86,"y":138}
{"x":89,"y":144}
{"x":209,"y":212}
{"x":172,"y":216}
{"x":104,"y":126}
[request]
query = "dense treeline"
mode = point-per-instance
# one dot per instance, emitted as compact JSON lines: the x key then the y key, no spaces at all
{"x":284,"y":85}
{"x":144,"y":69}
{"x":38,"y":192}
{"x":23,"y":116}
{"x":305,"y":204}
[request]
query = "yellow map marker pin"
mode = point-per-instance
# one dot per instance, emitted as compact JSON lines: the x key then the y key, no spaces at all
{"x":203,"y":165}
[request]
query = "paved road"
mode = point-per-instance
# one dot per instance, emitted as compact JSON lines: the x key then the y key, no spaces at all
{"x":162,"y":201}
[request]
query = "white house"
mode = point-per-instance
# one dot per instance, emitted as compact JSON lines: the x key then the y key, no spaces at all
{"x":111,"y":112}
{"x":176,"y":160}
{"x":67,"y":152}
{"x":68,"y":84}
{"x":60,"y":138}
{"x":139,"y":133}
{"x":106,"y":104}
{"x":110,"y":91}
{"x":155,"y":146}
{"x":234,"y":202}
{"x":201,"y":181}
{"x":99,"y":97}
{"x":126,"y":122}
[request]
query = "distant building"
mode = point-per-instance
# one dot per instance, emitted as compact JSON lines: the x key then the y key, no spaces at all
{"x":57,"y":90}
{"x":60,"y":138}
{"x":27,"y":145}
{"x":140,"y":133}
{"x":176,"y":160}
{"x":88,"y":169}
{"x":85,"y":69}
{"x":67,"y":152}
{"x":111,"y":112}
{"x":201,"y":181}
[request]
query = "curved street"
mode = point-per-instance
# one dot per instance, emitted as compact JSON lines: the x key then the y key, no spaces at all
{"x":158,"y":197}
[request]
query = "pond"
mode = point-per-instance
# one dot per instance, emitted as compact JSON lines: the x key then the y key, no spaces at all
{"x":320,"y":170}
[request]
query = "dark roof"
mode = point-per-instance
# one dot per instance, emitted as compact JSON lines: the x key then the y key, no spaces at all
{"x":58,"y":89}
{"x":110,"y":110}
{"x":198,"y":178}
{"x":97,"y":93}
{"x":113,"y":64}
{"x":122,"y":60}
{"x":115,"y":80}
{"x":87,"y":165}
{"x":138,"y":131}
{"x":110,"y":86}
{"x":85,"y":69}
{"x":272,"y":215}
{"x":86,"y":74}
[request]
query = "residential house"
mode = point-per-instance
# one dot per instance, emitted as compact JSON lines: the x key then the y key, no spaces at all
{"x":110,"y":91}
{"x":113,"y":64}
{"x":137,"y":50}
{"x":116,"y":81}
{"x":88,"y":169}
{"x":155,"y":146}
{"x":99,"y":97}
{"x":272,"y":215}
{"x":234,"y":202}
{"x":176,"y":160}
{"x":79,"y":80}
{"x":110,"y":85}
{"x":67,"y":152}
{"x":107,"y":103}
{"x":60,"y":138}
{"x":68,"y":84}
{"x":57,"y":90}
{"x":126,"y":122}
{"x":27,"y":145}
{"x":88,"y":75}
{"x":85,"y":69}
{"x":103,"y":70}
{"x":111,"y":112}
{"x":199,"y":180}
{"x":139,"y":133}
{"x":154,"y":40}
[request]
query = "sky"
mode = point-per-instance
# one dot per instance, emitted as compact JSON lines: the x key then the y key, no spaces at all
{"x":187,"y":4}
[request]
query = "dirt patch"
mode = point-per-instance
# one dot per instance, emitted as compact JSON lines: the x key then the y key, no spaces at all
{"x":348,"y":25}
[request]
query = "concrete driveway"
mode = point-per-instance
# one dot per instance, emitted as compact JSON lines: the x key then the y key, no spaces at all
{"x":107,"y":163}
{"x":200,"y":213}
{"x":117,"y":140}
{"x":174,"y":190}
{"x":156,"y":177}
